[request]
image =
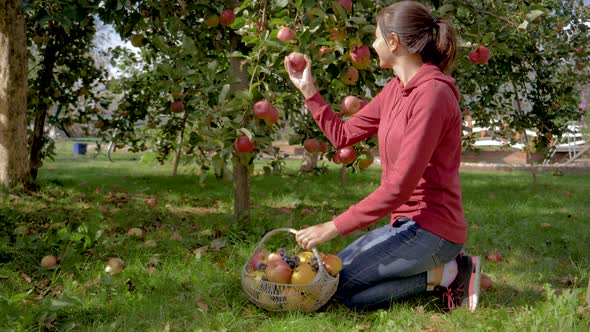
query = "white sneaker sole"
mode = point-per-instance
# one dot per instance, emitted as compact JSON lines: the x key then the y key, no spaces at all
{"x":474,"y":283}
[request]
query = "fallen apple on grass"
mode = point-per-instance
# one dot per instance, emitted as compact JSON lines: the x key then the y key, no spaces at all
{"x":114,"y":265}
{"x":486,"y":282}
{"x":495,"y":257}
{"x":135,"y":232}
{"x":49,"y":262}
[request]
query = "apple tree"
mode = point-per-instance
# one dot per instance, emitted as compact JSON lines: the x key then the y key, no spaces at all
{"x":521,"y":65}
{"x":63,"y":72}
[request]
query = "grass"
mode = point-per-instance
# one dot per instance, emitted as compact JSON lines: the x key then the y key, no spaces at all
{"x":184,"y":275}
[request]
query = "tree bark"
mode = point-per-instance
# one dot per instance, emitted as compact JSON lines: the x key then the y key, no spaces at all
{"x":588,"y":297}
{"x":13,"y":95}
{"x":310,"y":161}
{"x":241,"y":180}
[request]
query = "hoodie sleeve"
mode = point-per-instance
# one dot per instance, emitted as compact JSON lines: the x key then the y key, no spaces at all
{"x":358,"y":127}
{"x":427,"y":123}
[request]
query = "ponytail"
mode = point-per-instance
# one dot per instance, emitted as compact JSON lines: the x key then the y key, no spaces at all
{"x":431,"y":37}
{"x":445,"y":48}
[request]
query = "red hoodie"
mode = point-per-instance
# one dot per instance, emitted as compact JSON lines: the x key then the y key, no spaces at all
{"x":419,"y":137}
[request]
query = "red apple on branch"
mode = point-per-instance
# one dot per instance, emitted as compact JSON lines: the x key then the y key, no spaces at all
{"x":351,"y":105}
{"x":177,"y":107}
{"x":297,"y":61}
{"x":360,"y":56}
{"x":312,"y":145}
{"x":264,"y":110}
{"x":480,"y":56}
{"x":227,"y":17}
{"x":323,"y":50}
{"x":346,"y":155}
{"x":350,"y":76}
{"x":285,"y":34}
{"x":346,"y":4}
{"x":243,"y":144}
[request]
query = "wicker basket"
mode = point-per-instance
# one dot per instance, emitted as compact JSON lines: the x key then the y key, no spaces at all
{"x":289,"y":297}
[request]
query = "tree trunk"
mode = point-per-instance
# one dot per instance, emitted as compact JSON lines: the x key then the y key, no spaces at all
{"x":343,"y":176}
{"x":13,"y":95}
{"x":310,"y":161}
{"x":241,"y":183}
{"x":588,"y":297}
{"x":241,"y":180}
{"x":49,"y":57}
{"x":179,"y":147}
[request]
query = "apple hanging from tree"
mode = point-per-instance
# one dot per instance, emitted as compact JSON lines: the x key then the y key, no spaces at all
{"x":243,"y":144}
{"x":365,"y":160}
{"x":346,"y":155}
{"x":479,"y":56}
{"x":337,"y":35}
{"x":137,"y":40}
{"x":285,"y":34}
{"x":324,"y":50}
{"x":264,"y":110}
{"x":350,"y":76}
{"x":360,"y":56}
{"x":297,"y":61}
{"x":177,"y":107}
{"x":346,"y":4}
{"x":212,"y":21}
{"x":312,"y":145}
{"x":227,"y":17}
{"x":351,"y":105}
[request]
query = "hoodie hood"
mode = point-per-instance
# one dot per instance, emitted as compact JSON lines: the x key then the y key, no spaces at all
{"x":428,"y":72}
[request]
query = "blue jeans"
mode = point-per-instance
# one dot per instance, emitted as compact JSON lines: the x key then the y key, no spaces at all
{"x":390,"y":263}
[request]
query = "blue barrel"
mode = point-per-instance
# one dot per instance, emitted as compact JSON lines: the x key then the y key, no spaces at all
{"x":80,"y":148}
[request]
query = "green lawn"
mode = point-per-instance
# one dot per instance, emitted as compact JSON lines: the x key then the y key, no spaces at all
{"x":184,"y":275}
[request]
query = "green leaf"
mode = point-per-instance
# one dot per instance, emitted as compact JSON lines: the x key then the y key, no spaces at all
{"x":63,"y":302}
{"x":523,"y":25}
{"x":444,"y":9}
{"x":279,"y":4}
{"x":317,"y":12}
{"x":18,"y":297}
{"x":533,"y":14}
{"x":244,"y":131}
{"x":223,"y":94}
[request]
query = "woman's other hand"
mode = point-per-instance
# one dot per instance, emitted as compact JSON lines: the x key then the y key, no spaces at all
{"x":308,"y":238}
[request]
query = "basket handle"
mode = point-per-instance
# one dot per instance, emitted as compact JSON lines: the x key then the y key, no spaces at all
{"x":316,"y":253}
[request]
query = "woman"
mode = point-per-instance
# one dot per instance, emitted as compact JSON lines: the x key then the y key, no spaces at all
{"x":417,"y":120}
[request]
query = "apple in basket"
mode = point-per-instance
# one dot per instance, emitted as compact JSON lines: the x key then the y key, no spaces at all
{"x":293,"y":299}
{"x":333,"y":264}
{"x":258,"y":261}
{"x":278,"y":271}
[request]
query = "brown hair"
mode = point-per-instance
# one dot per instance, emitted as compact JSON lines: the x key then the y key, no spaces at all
{"x":431,"y":37}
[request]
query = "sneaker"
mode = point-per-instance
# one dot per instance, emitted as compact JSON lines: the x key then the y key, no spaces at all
{"x":464,"y":290}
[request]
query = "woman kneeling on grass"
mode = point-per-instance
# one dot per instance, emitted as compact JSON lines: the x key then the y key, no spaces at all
{"x":417,"y":120}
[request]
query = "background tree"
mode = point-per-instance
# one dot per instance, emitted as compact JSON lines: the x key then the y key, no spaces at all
{"x":63,"y":70}
{"x":13,"y":98}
